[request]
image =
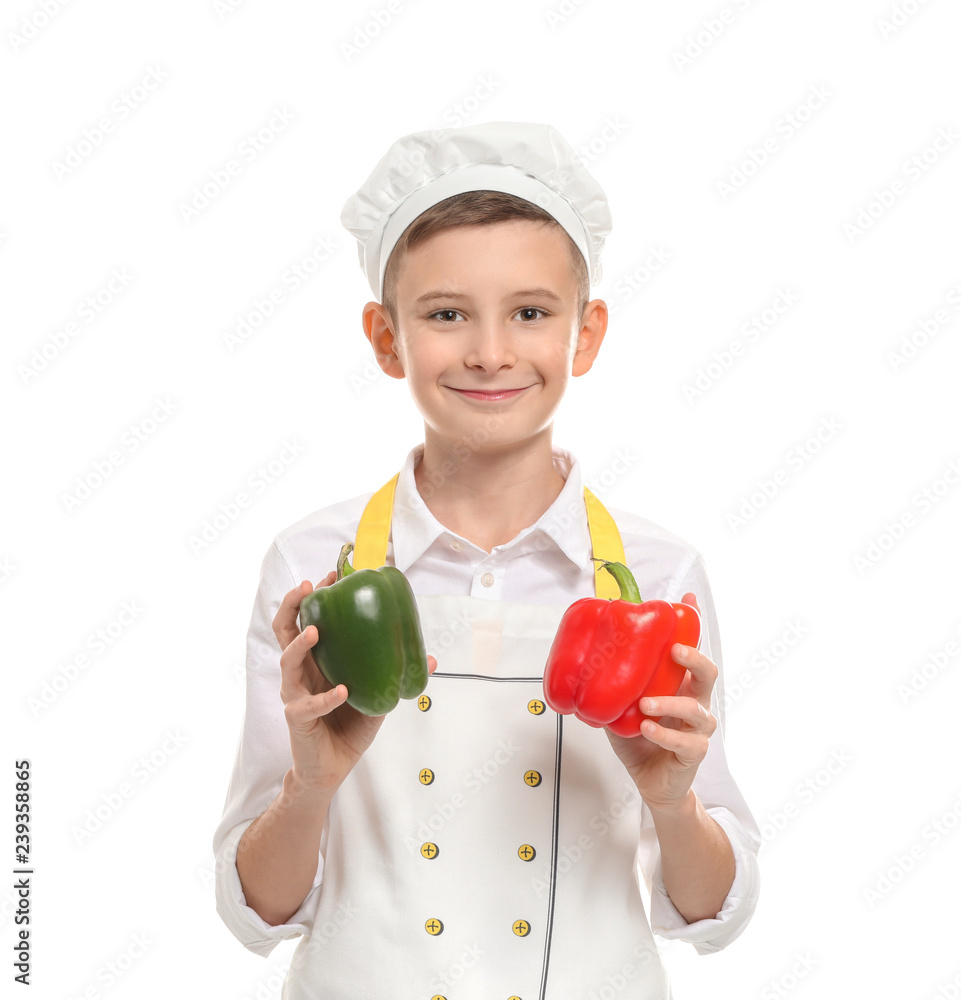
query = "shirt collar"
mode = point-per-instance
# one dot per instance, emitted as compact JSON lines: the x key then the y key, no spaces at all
{"x":414,"y":528}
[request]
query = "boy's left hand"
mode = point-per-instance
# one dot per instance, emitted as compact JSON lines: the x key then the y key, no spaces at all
{"x":663,"y":760}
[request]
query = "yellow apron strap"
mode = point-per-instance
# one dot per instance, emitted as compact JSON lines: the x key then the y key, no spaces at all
{"x":370,"y":546}
{"x":373,"y":531}
{"x":605,"y":544}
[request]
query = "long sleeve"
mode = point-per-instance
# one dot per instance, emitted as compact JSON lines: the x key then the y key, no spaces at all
{"x":720,"y":796}
{"x":263,"y":757}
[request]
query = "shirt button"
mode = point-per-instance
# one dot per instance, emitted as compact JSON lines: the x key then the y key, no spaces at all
{"x":521,"y":928}
{"x":526,"y":853}
{"x":423,"y":702}
{"x":535,"y":707}
{"x":456,"y":546}
{"x":429,"y":850}
{"x":487,"y":579}
{"x":532,"y":778}
{"x":434,"y":926}
{"x":427,"y":776}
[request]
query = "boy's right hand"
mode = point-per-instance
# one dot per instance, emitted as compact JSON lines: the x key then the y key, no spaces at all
{"x":327,"y":736}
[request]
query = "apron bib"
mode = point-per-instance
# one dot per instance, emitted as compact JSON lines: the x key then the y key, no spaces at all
{"x":484,"y":846}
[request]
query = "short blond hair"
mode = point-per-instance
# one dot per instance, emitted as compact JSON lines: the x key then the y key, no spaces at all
{"x":476,"y":208}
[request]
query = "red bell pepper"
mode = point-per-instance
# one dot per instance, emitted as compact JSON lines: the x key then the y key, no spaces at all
{"x":608,"y":654}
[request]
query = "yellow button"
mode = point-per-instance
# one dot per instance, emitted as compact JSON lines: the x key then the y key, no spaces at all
{"x":437,"y":996}
{"x":427,"y":776}
{"x":535,"y":707}
{"x":526,"y":853}
{"x":513,"y":998}
{"x":433,"y":926}
{"x":521,"y":928}
{"x":423,"y":703}
{"x":532,"y":778}
{"x":429,"y":850}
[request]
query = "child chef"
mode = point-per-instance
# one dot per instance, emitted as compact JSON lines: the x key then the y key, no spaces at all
{"x":473,"y":843}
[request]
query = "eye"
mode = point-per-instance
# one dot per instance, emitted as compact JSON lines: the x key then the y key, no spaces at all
{"x":530,"y":309}
{"x":443,"y":312}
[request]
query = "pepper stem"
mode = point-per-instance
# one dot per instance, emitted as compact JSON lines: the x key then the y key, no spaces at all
{"x":344,"y":567}
{"x":625,"y":580}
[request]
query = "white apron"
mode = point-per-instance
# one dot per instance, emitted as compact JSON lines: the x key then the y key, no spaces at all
{"x":484,"y":846}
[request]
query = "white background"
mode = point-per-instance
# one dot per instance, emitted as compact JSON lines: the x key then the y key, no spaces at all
{"x":845,"y":773}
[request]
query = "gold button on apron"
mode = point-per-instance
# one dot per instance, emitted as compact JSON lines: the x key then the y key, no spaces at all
{"x":429,"y":850}
{"x":437,"y":996}
{"x":427,"y":776}
{"x":535,"y":707}
{"x":525,"y":852}
{"x":521,"y":928}
{"x":532,"y":778}
{"x":423,"y":703}
{"x":434,"y":926}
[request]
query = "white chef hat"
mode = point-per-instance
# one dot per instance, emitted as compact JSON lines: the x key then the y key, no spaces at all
{"x":527,"y":159}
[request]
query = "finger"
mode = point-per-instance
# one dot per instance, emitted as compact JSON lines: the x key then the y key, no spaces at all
{"x":285,"y":621}
{"x":701,"y":669}
{"x":687,"y":710}
{"x":302,"y":712}
{"x":292,"y":662}
{"x":689,"y":748}
{"x":689,"y":598}
{"x":431,"y":664}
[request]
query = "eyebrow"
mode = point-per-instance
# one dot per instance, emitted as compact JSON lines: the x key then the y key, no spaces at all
{"x":544,"y":293}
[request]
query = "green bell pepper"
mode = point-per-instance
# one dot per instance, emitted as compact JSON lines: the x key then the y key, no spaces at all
{"x":369,"y":635}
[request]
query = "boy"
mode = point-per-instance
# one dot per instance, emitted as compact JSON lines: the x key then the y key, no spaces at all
{"x":473,"y":843}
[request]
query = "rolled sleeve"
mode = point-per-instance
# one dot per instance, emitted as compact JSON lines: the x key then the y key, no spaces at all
{"x":263,"y":757}
{"x":721,"y":798}
{"x":245,"y":923}
{"x":713,"y":933}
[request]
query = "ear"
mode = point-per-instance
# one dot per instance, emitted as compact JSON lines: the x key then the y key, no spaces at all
{"x":590,"y":337}
{"x":378,"y":330}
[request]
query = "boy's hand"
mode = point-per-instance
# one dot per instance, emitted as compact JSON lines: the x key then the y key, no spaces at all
{"x":664,"y":758}
{"x":327,"y":736}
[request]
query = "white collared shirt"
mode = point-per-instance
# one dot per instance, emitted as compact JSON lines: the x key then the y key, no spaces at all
{"x":546,"y":563}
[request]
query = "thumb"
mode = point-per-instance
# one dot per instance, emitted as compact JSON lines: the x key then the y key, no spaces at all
{"x":690,"y":599}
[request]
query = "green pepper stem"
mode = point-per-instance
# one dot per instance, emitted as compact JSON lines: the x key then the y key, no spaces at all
{"x":344,"y":567}
{"x":625,"y":580}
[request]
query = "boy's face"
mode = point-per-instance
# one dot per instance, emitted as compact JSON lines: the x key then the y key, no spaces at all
{"x":487,"y":308}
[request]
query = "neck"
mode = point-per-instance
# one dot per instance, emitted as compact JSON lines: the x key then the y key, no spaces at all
{"x":488,"y":494}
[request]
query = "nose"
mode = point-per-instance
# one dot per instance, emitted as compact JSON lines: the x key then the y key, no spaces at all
{"x":490,"y":346}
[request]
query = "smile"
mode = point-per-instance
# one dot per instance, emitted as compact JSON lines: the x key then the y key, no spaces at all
{"x":498,"y":394}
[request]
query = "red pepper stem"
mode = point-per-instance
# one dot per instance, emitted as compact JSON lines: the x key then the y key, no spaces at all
{"x":625,"y":580}
{"x":344,"y":567}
